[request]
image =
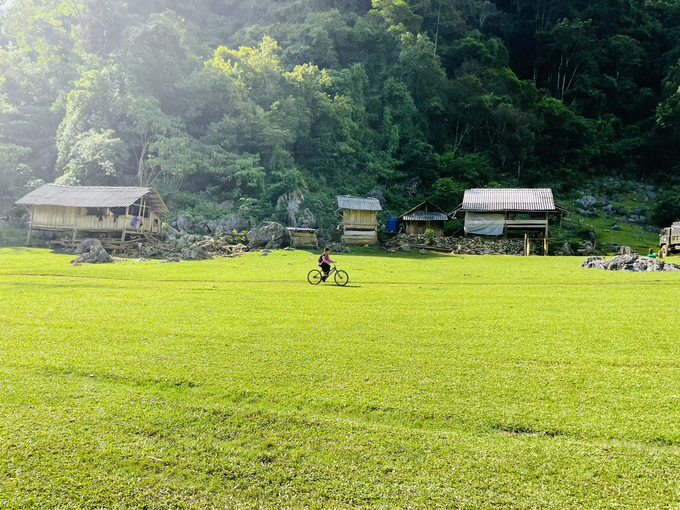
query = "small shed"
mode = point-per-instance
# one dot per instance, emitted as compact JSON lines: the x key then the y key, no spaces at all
{"x":358,"y":219}
{"x":423,"y":217}
{"x":303,"y":237}
{"x":502,"y":212}
{"x":117,"y":216}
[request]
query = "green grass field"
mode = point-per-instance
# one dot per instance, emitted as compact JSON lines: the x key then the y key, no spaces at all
{"x":429,"y":381}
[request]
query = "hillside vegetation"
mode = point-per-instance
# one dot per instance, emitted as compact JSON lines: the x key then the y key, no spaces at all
{"x":215,"y":101}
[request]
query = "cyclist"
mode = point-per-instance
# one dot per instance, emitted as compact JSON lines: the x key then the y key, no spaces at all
{"x":325,"y":263}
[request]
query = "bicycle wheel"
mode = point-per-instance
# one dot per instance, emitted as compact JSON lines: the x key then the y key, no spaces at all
{"x":314,"y":277}
{"x":341,"y":278}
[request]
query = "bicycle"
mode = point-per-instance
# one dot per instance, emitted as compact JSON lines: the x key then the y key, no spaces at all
{"x":315,"y":277}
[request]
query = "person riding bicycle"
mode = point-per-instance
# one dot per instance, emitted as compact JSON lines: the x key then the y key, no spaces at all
{"x":325,"y":262}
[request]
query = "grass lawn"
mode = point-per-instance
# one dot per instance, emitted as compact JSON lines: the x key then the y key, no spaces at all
{"x":429,"y":381}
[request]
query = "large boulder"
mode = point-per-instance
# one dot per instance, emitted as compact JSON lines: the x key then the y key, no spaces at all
{"x":566,"y":250}
{"x":269,"y":232}
{"x":231,"y":223}
{"x":183,"y":224}
{"x":94,"y":255}
{"x":86,"y":245}
{"x":170,"y":232}
{"x":630,"y":262}
{"x":586,"y":202}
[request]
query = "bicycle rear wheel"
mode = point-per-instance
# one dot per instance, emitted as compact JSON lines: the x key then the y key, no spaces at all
{"x":314,"y":277}
{"x":341,"y":278}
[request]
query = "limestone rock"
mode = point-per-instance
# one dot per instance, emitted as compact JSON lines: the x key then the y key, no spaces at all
{"x":630,"y":262}
{"x":86,"y":245}
{"x":183,"y":224}
{"x":586,"y":202}
{"x":231,"y":223}
{"x":94,"y":255}
{"x":423,"y":251}
{"x":269,"y":232}
{"x":405,"y":247}
{"x":566,"y":250}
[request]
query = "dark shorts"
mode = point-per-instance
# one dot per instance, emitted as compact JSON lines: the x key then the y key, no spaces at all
{"x":325,"y":267}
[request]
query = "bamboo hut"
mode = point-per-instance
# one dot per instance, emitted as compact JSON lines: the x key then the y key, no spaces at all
{"x":422,"y":217}
{"x":358,"y":219}
{"x":303,"y":237}
{"x":117,"y":216}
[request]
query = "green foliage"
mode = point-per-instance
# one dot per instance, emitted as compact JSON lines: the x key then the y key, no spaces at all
{"x":430,"y":237}
{"x":667,"y":208}
{"x":256,"y":99}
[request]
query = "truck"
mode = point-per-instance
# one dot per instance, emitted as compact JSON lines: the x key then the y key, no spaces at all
{"x":669,"y":239}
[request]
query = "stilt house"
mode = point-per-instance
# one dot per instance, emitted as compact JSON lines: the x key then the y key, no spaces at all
{"x":423,"y":217}
{"x":504,"y":212}
{"x":117,"y":216}
{"x":358,"y":219}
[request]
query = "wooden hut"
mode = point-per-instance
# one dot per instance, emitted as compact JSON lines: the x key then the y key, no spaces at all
{"x":504,"y":212}
{"x":358,"y":219}
{"x":303,"y":237}
{"x":117,"y":216}
{"x":423,"y":217}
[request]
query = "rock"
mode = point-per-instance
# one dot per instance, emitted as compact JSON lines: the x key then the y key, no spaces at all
{"x":405,"y":247}
{"x":169,"y":232}
{"x":423,"y":251}
{"x":638,"y":219}
{"x":588,"y":213}
{"x":86,"y":245}
{"x":625,"y":250}
{"x":195,"y":253}
{"x":273,"y":245}
{"x":608,"y":210}
{"x":652,"y":229}
{"x":265,"y":253}
{"x":183,"y":224}
{"x":586,"y":202}
{"x":231,"y":223}
{"x":566,"y":250}
{"x":377,"y":193}
{"x":616,"y":226}
{"x":270,"y":231}
{"x":227,"y":204}
{"x":94,"y":255}
{"x":339,"y":248}
{"x":630,"y":262}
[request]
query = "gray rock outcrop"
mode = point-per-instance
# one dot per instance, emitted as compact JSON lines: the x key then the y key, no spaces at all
{"x":94,"y":255}
{"x":630,"y":262}
{"x":228,"y":225}
{"x":86,"y":245}
{"x":269,"y":234}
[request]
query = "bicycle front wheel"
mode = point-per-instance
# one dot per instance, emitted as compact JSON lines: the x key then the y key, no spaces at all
{"x":341,"y":278}
{"x":314,"y":277}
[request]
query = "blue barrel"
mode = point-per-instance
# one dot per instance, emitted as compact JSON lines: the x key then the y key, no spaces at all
{"x":392,"y":225}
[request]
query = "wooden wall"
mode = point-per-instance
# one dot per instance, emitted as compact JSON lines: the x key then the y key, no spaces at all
{"x":419,"y":227}
{"x":303,"y":240}
{"x":360,"y":237}
{"x":359,"y":220}
{"x":45,"y":217}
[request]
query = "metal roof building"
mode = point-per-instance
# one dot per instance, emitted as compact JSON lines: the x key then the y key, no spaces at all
{"x":117,"y":216}
{"x":359,"y":219}
{"x":509,"y":211}
{"x":422,"y":217}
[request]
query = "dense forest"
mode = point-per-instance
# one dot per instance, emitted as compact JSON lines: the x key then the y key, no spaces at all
{"x":247,"y":100}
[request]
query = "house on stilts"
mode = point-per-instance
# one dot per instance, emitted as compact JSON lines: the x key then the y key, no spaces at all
{"x":358,"y":219}
{"x":117,"y":216}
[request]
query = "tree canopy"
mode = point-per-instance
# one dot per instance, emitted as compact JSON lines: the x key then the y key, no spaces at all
{"x":226,"y":99}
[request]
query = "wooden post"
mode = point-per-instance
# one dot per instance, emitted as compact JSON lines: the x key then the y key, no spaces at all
{"x":30,"y":228}
{"x":526,"y":245}
{"x":545,"y":247}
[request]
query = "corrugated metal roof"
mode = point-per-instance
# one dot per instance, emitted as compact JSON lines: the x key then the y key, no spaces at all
{"x":523,"y":200}
{"x":302,"y":229}
{"x":92,"y":196}
{"x":424,"y":216}
{"x":425,"y":211}
{"x":361,"y":204}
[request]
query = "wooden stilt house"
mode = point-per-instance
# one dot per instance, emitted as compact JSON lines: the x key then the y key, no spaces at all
{"x":423,"y":217}
{"x":358,"y":219}
{"x":117,"y":216}
{"x":508,"y":212}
